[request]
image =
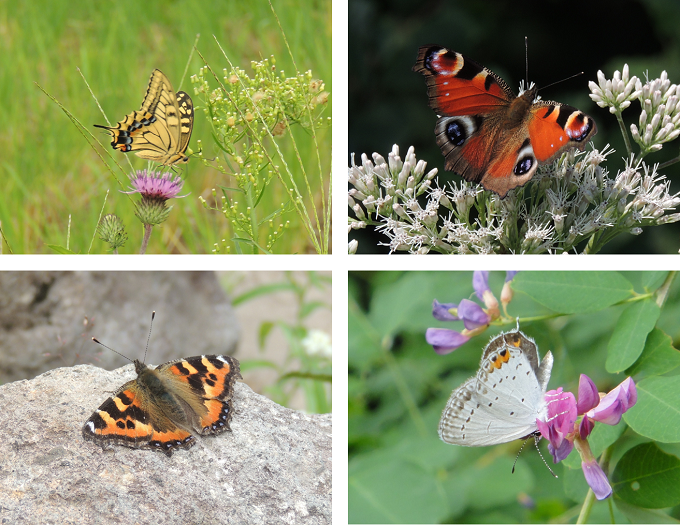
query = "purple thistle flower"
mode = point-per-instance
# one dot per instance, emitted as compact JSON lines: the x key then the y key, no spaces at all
{"x":156,"y":185}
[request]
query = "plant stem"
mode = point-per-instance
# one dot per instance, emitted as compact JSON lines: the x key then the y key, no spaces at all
{"x":147,"y":235}
{"x":624,"y":132}
{"x":587,"y":506}
{"x":669,"y":163}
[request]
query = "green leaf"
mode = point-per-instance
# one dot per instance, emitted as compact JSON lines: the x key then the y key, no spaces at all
{"x":637,"y":515}
{"x":60,"y":249}
{"x":265,"y":328}
{"x":251,"y":243}
{"x":498,"y":479}
{"x":648,"y":477}
{"x":400,"y":484}
{"x":658,"y":357}
{"x":363,"y":345}
{"x":227,"y":188}
{"x":406,"y":304}
{"x":265,"y":289}
{"x":574,"y":292}
{"x":326,"y":378}
{"x":308,"y":308}
{"x":652,"y":280}
{"x":630,"y":333}
{"x":252,"y":364}
{"x":656,"y":414}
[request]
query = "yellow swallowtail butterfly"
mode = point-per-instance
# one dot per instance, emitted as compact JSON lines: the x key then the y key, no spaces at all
{"x":161,"y":129}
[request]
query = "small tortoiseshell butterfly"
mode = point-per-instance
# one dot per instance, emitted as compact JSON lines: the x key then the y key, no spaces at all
{"x":164,"y":406}
{"x":486,"y":133}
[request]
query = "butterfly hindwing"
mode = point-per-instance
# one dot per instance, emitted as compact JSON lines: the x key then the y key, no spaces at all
{"x":160,"y":131}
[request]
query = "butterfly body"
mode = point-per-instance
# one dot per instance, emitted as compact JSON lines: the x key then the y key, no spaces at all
{"x":165,"y":407}
{"x":160,"y":131}
{"x":486,"y":133}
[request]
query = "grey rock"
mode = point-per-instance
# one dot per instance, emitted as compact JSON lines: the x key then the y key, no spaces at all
{"x":273,"y":467}
{"x":47,"y":319}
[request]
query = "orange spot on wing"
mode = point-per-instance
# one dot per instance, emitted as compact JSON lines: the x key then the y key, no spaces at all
{"x":171,"y":435}
{"x":547,"y":136}
{"x":214,"y":407}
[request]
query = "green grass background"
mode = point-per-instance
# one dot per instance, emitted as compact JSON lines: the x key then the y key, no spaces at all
{"x":47,"y":169}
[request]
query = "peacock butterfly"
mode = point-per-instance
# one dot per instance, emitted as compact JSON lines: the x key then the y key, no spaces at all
{"x":486,"y":133}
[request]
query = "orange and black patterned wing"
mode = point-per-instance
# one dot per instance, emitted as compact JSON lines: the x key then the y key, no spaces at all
{"x":128,"y":418}
{"x":206,"y":384}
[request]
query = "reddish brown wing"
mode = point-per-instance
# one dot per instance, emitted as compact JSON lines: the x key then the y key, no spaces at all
{"x":472,"y":103}
{"x":459,"y":86}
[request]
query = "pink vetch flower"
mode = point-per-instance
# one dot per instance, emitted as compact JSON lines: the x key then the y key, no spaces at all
{"x":565,"y":432}
{"x":156,"y":185}
{"x":475,"y":318}
{"x":561,"y":408}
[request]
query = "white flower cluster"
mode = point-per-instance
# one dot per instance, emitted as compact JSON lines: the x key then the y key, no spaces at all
{"x":318,"y":343}
{"x":617,"y":93}
{"x":571,"y":202}
{"x":659,"y":120}
{"x":660,"y":115}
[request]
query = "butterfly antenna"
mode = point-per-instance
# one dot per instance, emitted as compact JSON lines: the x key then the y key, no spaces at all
{"x":518,"y":453}
{"x":108,"y":347}
{"x":568,"y":78}
{"x":153,"y":314}
{"x":526,"y":59}
{"x":537,"y":438}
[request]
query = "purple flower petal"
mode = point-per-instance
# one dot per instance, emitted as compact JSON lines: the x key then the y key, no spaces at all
{"x":509,"y":276}
{"x":615,"y":403}
{"x":562,"y":452}
{"x":440,"y":311}
{"x":585,"y":428}
{"x":156,"y":185}
{"x":445,"y":341}
{"x":597,"y":479}
{"x":480,"y":282}
{"x":472,"y":314}
{"x":588,"y":397}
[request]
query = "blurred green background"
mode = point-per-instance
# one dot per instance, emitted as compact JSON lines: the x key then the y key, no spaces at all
{"x":399,"y":470}
{"x":48,"y":170}
{"x":388,"y":101}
